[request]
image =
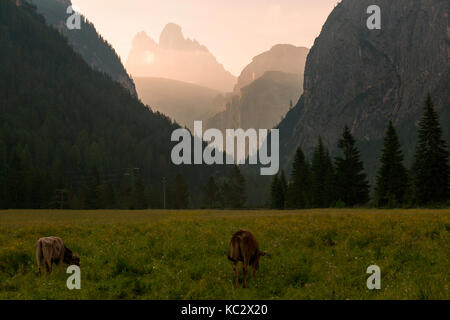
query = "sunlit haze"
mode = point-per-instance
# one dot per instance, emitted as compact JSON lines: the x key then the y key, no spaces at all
{"x":234,"y":31}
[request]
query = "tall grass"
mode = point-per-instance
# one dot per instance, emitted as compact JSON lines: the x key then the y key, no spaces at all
{"x":315,"y":254}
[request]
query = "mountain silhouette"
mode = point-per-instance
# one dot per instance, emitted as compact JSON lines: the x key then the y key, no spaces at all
{"x":177,"y":58}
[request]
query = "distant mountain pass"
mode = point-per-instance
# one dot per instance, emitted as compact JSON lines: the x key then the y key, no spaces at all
{"x":281,"y":57}
{"x":262,"y":104}
{"x":181,"y":101}
{"x":265,"y":90}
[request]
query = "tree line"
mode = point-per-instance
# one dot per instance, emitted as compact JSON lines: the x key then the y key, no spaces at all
{"x":322,"y":182}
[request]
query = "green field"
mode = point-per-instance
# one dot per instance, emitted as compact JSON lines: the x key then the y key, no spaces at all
{"x":315,"y":254}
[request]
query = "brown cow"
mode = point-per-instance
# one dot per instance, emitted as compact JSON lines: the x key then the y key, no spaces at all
{"x":244,"y":247}
{"x":53,"y":250}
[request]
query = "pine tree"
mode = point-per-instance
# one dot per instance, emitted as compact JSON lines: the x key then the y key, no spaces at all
{"x":392,"y":177}
{"x":322,"y":177}
{"x":139,"y":198}
{"x":237,"y":189}
{"x":39,"y":190}
{"x":180,"y":193}
{"x":330,"y":180}
{"x":91,"y":193}
{"x":299,"y":189}
{"x":276,"y":193}
{"x":210,"y":199}
{"x":16,"y":190}
{"x":431,"y":166}
{"x":107,"y":196}
{"x":351,"y":182}
{"x":283,"y":187}
{"x":224,"y":195}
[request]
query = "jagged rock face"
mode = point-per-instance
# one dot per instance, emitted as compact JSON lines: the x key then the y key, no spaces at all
{"x":364,"y":78}
{"x":172,"y":38}
{"x":177,"y":58}
{"x":281,"y":57}
{"x":87,"y":42}
{"x":261,"y":104}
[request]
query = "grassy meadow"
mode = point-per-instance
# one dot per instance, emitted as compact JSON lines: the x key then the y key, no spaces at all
{"x":315,"y":254}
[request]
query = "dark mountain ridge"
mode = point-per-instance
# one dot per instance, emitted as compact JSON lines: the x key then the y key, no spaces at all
{"x":95,"y":50}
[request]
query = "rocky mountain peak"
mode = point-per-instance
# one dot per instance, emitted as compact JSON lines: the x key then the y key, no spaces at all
{"x":364,"y":78}
{"x":172,"y":38}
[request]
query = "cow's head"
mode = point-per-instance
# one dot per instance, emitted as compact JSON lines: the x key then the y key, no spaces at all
{"x":75,"y":260}
{"x":258,"y":255}
{"x":71,"y":258}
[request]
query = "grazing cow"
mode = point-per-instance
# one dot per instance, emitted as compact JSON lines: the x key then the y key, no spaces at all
{"x":53,"y":250}
{"x":244,"y":247}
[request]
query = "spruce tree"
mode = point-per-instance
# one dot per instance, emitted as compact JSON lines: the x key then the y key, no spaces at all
{"x":210,"y":199}
{"x":16,"y":190}
{"x":180,"y":193}
{"x":139,"y":198}
{"x":330,"y":180}
{"x":275,"y":193}
{"x":91,"y":194}
{"x":237,"y":193}
{"x":392,"y":177}
{"x":278,"y":191}
{"x":299,"y":189}
{"x":351,"y":182}
{"x":283,"y":187}
{"x":322,"y":177}
{"x":431,"y":166}
{"x":224,"y":195}
{"x":107,"y":197}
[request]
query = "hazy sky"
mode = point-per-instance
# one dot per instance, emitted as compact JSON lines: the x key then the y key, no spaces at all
{"x":233,"y":30}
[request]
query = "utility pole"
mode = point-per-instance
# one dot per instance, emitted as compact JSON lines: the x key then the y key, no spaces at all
{"x":164,"y":181}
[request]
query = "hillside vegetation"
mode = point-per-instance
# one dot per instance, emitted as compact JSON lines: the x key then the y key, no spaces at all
{"x":70,"y":136}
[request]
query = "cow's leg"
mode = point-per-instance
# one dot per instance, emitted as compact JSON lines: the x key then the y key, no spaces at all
{"x":253,"y":271}
{"x":61,"y":260}
{"x":236,"y":274}
{"x":39,"y":257}
{"x":39,"y":268}
{"x":244,"y":272}
{"x":48,"y":253}
{"x":47,"y":268}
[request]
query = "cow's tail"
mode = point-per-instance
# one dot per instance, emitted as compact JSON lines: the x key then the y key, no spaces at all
{"x":234,"y":249}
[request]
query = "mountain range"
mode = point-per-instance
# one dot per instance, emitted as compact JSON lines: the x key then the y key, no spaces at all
{"x":177,"y":58}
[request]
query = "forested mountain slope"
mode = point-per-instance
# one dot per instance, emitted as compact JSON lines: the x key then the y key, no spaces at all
{"x":69,"y":135}
{"x":95,"y":50}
